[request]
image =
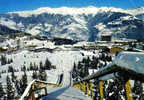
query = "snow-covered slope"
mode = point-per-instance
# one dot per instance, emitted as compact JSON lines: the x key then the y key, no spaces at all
{"x":137,"y":11}
{"x":78,"y":23}
{"x":76,"y":11}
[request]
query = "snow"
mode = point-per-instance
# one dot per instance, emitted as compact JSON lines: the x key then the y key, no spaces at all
{"x":68,"y":11}
{"x":91,"y":71}
{"x":128,"y":18}
{"x":115,"y":23}
{"x":102,"y":29}
{"x":90,"y":53}
{"x":35,"y":30}
{"x":40,"y":44}
{"x":100,"y":26}
{"x":79,"y":18}
{"x":131,"y":60}
{"x":63,"y":60}
{"x":67,"y":92}
{"x":136,"y":11}
{"x":27,"y":90}
{"x":8,"y":22}
{"x":58,"y":58}
{"x":107,"y":77}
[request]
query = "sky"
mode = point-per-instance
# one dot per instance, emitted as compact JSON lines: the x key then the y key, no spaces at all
{"x":21,"y":5}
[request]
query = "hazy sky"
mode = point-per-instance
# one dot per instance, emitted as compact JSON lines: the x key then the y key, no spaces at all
{"x":20,"y":5}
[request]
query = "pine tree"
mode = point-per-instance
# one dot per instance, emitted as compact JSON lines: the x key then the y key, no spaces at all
{"x":11,"y":60}
{"x":10,"y":69}
{"x":23,"y":68}
{"x":41,"y":65}
{"x":8,"y":61}
{"x":34,"y":75}
{"x":74,"y":68}
{"x":3,"y":60}
{"x":17,"y":85}
{"x":31,"y":66}
{"x":74,"y":71}
{"x":42,"y":75}
{"x":34,"y":66}
{"x":47,"y":64}
{"x":13,"y":77}
{"x":1,"y":90}
{"x":87,"y":64}
{"x":24,"y":81}
{"x":10,"y":89}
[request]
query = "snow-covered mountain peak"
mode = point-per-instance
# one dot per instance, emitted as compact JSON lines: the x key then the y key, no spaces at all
{"x":137,"y":11}
{"x":78,"y":23}
{"x":67,"y":11}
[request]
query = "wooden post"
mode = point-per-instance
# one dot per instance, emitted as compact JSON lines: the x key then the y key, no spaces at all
{"x":128,"y":91}
{"x":84,"y":87}
{"x":32,"y":96}
{"x":39,"y":85}
{"x":88,"y":88}
{"x":101,"y":90}
{"x":91,"y":89}
{"x":81,"y":86}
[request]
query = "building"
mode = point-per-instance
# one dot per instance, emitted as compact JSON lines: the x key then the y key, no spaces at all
{"x":106,"y":37}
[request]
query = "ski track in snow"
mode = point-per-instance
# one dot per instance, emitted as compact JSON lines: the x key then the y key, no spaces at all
{"x":63,"y":60}
{"x":66,"y":92}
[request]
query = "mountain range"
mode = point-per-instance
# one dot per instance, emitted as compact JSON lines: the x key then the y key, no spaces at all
{"x":87,"y":23}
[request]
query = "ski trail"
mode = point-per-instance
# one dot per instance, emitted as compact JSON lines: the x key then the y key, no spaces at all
{"x":66,"y":92}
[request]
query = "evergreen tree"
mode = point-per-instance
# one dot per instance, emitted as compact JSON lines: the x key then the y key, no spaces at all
{"x":17,"y":85}
{"x":74,"y":71}
{"x":34,"y":75}
{"x":35,"y":66}
{"x":24,"y":81}
{"x":10,"y":89}
{"x":138,"y":88}
{"x":23,"y":68}
{"x":13,"y":77}
{"x":1,"y":90}
{"x":87,"y":64}
{"x":47,"y":64}
{"x":74,"y":68}
{"x":10,"y":69}
{"x":3,"y":60}
{"x":42,"y":75}
{"x":11,"y":60}
{"x":21,"y":86}
{"x":8,"y":61}
{"x":53,"y":67}
{"x":31,"y":66}
{"x":41,"y":66}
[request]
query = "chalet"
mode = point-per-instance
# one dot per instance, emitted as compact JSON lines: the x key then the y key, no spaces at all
{"x":106,"y":37}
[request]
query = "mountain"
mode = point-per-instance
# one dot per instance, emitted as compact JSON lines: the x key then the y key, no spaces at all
{"x":78,"y":23}
{"x":6,"y":31}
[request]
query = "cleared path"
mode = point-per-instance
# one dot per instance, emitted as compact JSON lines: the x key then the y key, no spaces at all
{"x":66,"y":92}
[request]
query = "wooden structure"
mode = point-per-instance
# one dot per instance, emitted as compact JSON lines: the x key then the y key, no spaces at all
{"x":36,"y":86}
{"x":115,"y":50}
{"x":105,"y":37}
{"x":126,"y":66}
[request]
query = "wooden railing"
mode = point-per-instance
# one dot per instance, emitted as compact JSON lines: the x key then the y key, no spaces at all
{"x":86,"y":84}
{"x":36,"y":86}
